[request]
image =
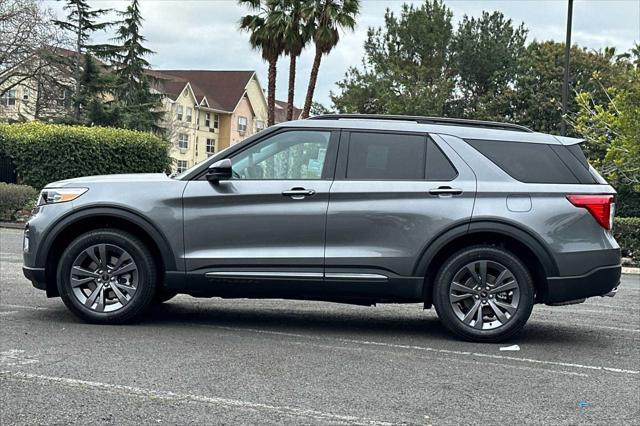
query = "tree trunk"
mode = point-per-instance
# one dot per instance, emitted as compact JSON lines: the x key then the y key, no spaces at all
{"x":271,"y":93}
{"x":292,"y":86}
{"x":77,"y":74}
{"x":313,"y":78}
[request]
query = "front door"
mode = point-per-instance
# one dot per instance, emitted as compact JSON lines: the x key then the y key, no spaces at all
{"x":268,"y":221}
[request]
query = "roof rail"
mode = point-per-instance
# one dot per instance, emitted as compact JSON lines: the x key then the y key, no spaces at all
{"x":442,"y":121}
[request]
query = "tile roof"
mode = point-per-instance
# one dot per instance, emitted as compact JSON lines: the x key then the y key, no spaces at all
{"x":281,"y":112}
{"x":223,"y":89}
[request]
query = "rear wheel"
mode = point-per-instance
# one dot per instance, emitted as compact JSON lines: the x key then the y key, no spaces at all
{"x":107,"y":276}
{"x":484,"y":294}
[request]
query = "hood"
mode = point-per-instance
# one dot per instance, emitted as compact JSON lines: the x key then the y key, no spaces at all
{"x":133,"y":178}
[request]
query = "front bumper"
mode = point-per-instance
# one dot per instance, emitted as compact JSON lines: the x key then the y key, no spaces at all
{"x":598,"y":282}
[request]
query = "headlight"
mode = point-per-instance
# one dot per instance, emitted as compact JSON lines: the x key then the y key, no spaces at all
{"x":60,"y":195}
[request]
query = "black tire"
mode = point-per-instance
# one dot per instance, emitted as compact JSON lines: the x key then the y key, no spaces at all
{"x":139,"y":255}
{"x":163,"y":295}
{"x":450,"y":311}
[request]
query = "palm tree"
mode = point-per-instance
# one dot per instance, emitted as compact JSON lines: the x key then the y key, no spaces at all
{"x":266,"y":35}
{"x":327,"y":19}
{"x":294,"y":13}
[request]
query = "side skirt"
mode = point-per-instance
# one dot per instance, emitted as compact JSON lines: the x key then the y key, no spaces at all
{"x":348,"y":287}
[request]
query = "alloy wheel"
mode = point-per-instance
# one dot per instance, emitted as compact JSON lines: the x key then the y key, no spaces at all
{"x":104,"y":278}
{"x":484,"y":295}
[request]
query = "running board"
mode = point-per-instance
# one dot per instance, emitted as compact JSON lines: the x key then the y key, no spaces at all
{"x":296,"y":275}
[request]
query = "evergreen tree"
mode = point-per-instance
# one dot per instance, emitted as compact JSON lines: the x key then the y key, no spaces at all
{"x":406,"y":67}
{"x":485,"y":53}
{"x":81,"y":21}
{"x":141,"y":109}
{"x":94,"y":84}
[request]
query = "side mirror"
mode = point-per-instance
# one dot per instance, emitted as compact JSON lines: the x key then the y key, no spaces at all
{"x":220,"y":170}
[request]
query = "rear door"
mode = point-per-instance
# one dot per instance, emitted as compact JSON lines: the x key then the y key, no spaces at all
{"x":393,"y":193}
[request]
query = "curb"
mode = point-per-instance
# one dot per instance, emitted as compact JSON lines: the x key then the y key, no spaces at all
{"x":12,"y":225}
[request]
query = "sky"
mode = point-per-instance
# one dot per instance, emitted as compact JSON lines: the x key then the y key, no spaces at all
{"x":203,"y":34}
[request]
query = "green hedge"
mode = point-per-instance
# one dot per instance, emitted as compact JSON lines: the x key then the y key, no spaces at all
{"x":627,"y":233}
{"x":46,"y":153}
{"x":14,"y":199}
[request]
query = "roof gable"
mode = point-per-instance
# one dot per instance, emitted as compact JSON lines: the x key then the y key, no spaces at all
{"x":223,"y":90}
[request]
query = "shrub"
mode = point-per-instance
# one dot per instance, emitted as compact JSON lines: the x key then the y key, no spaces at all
{"x":46,"y":153}
{"x":14,"y":198}
{"x":627,"y":233}
{"x":627,"y":202}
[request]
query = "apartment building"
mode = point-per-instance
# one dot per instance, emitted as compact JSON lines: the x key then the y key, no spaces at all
{"x":208,"y":111}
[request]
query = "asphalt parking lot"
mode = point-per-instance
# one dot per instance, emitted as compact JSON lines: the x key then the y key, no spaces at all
{"x":205,"y":361}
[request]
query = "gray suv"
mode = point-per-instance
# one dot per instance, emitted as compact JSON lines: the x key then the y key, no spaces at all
{"x":481,"y":220}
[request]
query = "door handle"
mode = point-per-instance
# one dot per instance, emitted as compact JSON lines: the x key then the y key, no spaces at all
{"x":298,"y":193}
{"x":445,"y":190}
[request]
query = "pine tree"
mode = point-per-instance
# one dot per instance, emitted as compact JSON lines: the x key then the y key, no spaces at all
{"x":94,"y":84}
{"x":141,"y":108}
{"x":81,"y":21}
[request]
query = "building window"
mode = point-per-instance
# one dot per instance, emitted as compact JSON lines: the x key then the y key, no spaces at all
{"x":179,"y":112}
{"x":242,"y":124}
{"x":211,"y":146}
{"x":207,"y":119}
{"x":183,"y":141}
{"x":182,"y":166}
{"x":8,"y":98}
{"x":259,"y":125}
{"x":61,"y":99}
{"x":189,"y":114}
{"x":216,"y":121}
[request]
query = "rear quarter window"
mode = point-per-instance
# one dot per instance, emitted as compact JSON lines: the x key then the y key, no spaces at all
{"x":534,"y":162}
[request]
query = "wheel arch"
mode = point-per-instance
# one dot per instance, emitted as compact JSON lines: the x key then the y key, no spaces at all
{"x":79,"y":222}
{"x":522,"y":243}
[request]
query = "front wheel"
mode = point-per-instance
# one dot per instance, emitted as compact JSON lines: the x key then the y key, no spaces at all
{"x":484,"y":294}
{"x":107,"y":276}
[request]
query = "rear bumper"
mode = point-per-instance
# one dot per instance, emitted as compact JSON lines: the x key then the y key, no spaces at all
{"x":597,"y":282}
{"x":36,"y":276}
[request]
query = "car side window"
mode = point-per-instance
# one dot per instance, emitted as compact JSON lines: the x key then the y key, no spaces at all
{"x":386,"y":156}
{"x":291,"y":155}
{"x":438,"y":165}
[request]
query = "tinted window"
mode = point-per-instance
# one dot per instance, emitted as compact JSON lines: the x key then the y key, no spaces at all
{"x":526,"y":162}
{"x":288,"y":155}
{"x":386,"y":156}
{"x":438,"y":165}
{"x":575,"y":161}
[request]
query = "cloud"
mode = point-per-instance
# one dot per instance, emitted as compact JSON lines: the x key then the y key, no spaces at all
{"x":203,"y":34}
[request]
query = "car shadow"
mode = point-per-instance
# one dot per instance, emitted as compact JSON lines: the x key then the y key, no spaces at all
{"x":403,"y":326}
{"x":417,"y":326}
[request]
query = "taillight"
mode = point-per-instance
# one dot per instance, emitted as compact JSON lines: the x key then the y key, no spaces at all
{"x":601,"y":207}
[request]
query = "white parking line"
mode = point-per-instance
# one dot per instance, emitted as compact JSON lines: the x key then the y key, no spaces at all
{"x":34,"y":308}
{"x":464,"y":361}
{"x":560,"y":310}
{"x":15,"y":357}
{"x":603,"y":327}
{"x":437,"y":350}
{"x":172,"y":396}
